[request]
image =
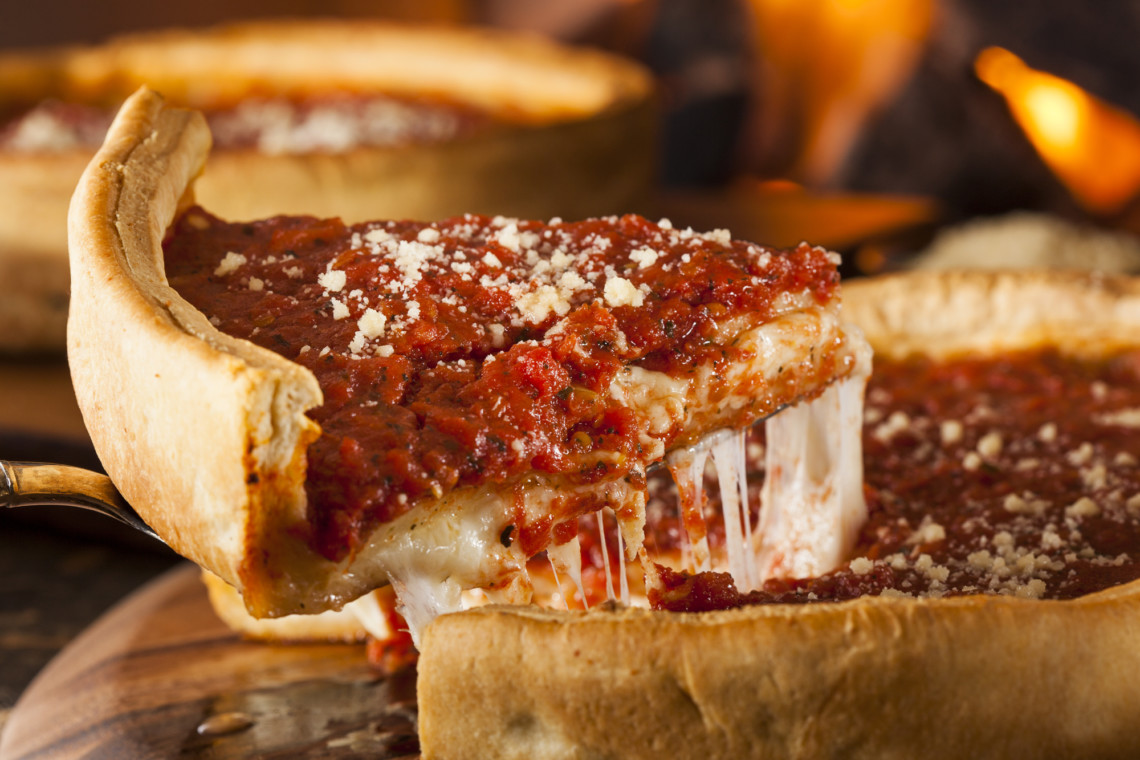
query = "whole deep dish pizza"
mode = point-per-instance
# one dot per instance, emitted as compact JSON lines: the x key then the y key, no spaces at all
{"x":939,"y":654}
{"x":356,"y":119}
{"x":988,"y":608}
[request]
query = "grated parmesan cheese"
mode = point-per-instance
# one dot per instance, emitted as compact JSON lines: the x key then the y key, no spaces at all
{"x":644,"y":257}
{"x":951,"y":431}
{"x":371,"y":323}
{"x":990,"y":445}
{"x":540,"y":303}
{"x":621,"y":292}
{"x":229,"y":264}
{"x":1082,"y":507}
{"x":332,"y":280}
{"x":1129,"y":418}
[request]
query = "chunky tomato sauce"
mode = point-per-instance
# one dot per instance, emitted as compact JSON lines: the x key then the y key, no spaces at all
{"x":476,"y":350}
{"x":1018,"y":475}
{"x":330,"y":124}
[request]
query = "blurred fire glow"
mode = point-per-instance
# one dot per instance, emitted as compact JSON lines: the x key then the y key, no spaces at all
{"x":1092,"y":147}
{"x":822,"y":68}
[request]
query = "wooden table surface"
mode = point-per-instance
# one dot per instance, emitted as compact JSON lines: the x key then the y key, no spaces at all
{"x":159,"y":676}
{"x":59,"y":570}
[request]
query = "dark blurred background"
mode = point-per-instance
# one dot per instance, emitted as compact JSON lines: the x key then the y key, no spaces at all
{"x":876,"y":96}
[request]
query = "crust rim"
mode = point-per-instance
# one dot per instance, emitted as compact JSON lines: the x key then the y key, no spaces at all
{"x":128,"y":330}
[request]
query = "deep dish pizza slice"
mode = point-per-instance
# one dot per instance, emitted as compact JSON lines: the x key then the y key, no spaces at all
{"x":311,"y":410}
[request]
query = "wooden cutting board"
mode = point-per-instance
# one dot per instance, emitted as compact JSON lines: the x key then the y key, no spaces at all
{"x":159,"y":676}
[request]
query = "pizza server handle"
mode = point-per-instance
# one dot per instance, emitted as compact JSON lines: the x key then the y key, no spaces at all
{"x":25,"y":484}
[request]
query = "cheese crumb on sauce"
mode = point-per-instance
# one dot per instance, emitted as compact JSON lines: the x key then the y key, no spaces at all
{"x":895,"y":424}
{"x":621,"y":292}
{"x":644,"y":257}
{"x":951,"y":431}
{"x":540,"y":303}
{"x":1129,"y":418}
{"x":229,"y":264}
{"x":1082,"y":507}
{"x":332,"y":280}
{"x":990,"y":445}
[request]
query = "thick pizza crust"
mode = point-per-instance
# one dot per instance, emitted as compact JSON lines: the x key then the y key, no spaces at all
{"x":578,"y":125}
{"x":211,"y":429}
{"x":876,"y":677}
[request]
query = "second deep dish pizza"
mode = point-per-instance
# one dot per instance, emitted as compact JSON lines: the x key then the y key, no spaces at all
{"x":361,"y":119}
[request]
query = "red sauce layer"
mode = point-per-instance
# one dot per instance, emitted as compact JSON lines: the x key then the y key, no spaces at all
{"x":328,"y":124}
{"x":437,"y":349}
{"x":1014,"y":475}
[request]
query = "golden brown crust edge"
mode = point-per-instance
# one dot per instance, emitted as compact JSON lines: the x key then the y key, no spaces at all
{"x":946,"y":313}
{"x":872,"y":678}
{"x":480,"y":67}
{"x":204,"y":434}
{"x":878,"y":678}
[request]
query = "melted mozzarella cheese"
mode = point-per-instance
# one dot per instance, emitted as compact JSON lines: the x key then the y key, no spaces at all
{"x":370,"y":615}
{"x":433,"y":556}
{"x":623,"y":581}
{"x":605,"y":556}
{"x":812,"y":500}
{"x":728,"y":456}
{"x":567,"y":558}
{"x":687,"y":466}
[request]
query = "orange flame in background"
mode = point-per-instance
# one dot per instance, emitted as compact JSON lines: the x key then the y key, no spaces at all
{"x":823,"y":67}
{"x":1092,"y":147}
